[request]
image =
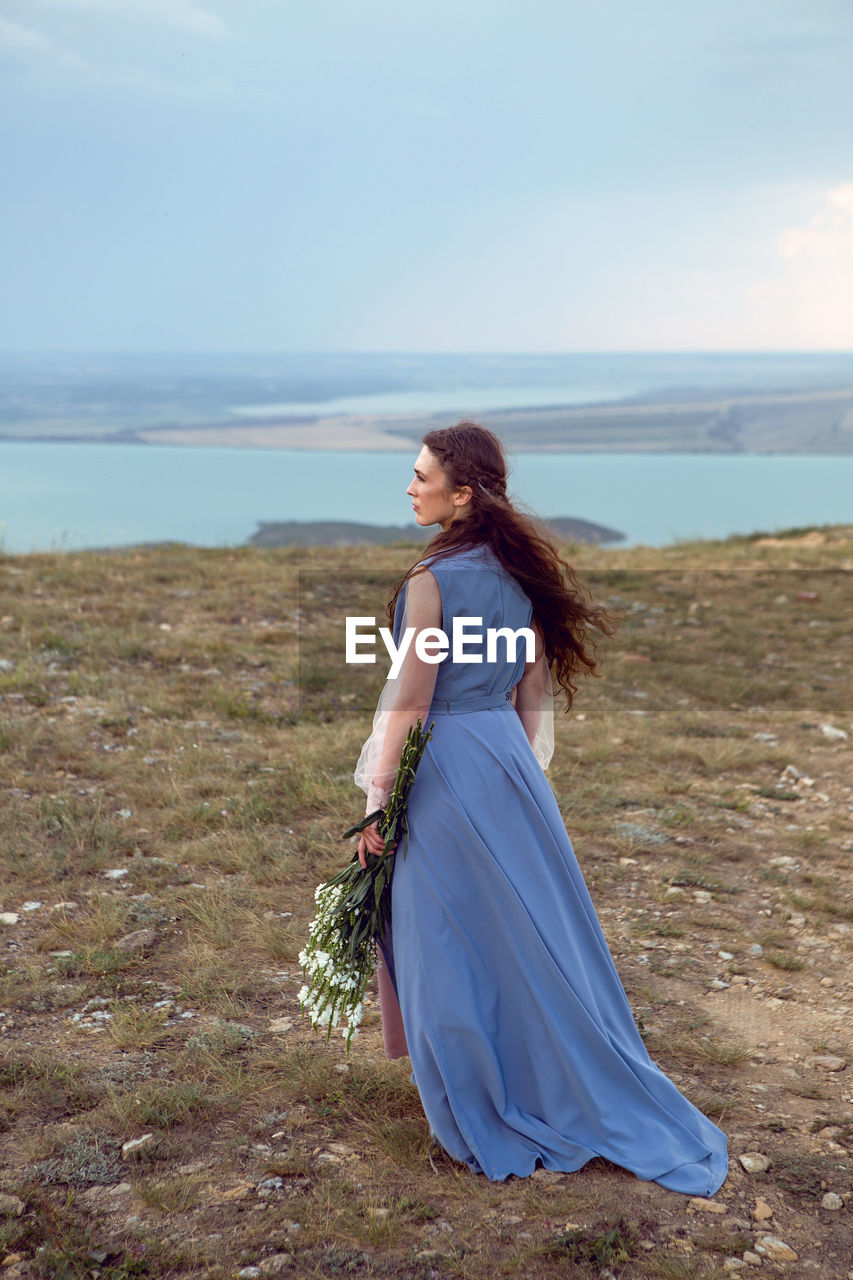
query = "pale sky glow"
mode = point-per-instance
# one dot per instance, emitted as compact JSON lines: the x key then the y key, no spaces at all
{"x":505,"y":175}
{"x":810,"y":299}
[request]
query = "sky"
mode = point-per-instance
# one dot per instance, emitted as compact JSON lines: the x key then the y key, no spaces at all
{"x":426,"y":175}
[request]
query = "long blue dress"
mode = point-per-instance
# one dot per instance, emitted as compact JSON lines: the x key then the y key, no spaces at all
{"x":523,"y":1046}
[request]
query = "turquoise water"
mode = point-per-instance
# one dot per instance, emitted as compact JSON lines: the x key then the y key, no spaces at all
{"x":88,"y":495}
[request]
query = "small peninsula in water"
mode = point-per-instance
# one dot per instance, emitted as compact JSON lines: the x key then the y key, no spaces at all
{"x":346,"y":533}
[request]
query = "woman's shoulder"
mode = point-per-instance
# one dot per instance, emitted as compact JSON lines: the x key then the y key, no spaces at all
{"x":480,"y":555}
{"x":468,"y":574}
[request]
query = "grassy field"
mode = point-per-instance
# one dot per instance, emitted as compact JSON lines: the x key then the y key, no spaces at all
{"x":178,"y":732}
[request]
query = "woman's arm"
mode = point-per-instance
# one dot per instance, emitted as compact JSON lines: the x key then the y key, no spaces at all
{"x":410,"y":700}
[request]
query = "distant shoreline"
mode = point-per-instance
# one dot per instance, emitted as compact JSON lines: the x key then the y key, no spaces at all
{"x":807,"y":422}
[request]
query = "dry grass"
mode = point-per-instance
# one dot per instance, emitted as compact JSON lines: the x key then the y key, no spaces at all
{"x":184,"y":717}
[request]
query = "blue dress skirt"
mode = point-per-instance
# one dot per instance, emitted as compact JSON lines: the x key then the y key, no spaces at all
{"x":523,"y":1045}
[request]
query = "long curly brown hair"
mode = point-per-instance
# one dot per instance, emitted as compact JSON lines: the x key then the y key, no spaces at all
{"x":469,"y":454}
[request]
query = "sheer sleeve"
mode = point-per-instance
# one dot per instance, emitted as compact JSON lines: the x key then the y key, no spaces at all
{"x":534,"y":702}
{"x":403,"y":700}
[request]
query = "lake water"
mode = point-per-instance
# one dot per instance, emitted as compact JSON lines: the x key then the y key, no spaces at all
{"x":64,"y":496}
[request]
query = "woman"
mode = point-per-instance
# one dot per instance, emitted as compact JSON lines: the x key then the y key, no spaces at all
{"x":497,"y":980}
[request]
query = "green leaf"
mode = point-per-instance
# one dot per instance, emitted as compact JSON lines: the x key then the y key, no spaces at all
{"x":365,"y":822}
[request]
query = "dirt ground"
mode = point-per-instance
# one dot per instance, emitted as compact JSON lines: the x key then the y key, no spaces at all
{"x":177,"y":748}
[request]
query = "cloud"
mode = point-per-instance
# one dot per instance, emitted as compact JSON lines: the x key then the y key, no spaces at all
{"x":807,"y":303}
{"x":186,"y":15}
{"x":37,"y":53}
{"x":27,"y":42}
{"x":830,"y":231}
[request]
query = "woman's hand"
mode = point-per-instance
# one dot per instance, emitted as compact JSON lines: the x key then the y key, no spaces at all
{"x":371,"y":842}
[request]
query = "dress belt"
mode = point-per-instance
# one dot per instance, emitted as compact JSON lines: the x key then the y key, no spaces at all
{"x":458,"y":706}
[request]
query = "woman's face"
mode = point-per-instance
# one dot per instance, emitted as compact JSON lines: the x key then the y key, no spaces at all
{"x":433,"y":501}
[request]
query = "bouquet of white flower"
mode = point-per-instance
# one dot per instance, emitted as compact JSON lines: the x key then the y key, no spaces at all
{"x":353,"y":909}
